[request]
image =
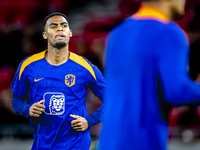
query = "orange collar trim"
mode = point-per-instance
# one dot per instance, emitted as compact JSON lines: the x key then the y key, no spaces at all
{"x":149,"y":12}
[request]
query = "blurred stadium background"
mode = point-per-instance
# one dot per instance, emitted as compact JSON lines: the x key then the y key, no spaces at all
{"x":21,"y":27}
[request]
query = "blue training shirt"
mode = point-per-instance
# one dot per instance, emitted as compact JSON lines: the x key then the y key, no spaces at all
{"x":146,"y":69}
{"x":63,"y":88}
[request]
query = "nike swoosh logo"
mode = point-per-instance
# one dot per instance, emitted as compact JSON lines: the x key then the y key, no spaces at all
{"x":36,"y":80}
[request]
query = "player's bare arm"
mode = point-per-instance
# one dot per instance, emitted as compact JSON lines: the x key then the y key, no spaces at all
{"x":80,"y":124}
{"x":37,"y":109}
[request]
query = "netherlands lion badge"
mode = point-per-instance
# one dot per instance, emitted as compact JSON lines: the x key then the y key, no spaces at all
{"x":70,"y":80}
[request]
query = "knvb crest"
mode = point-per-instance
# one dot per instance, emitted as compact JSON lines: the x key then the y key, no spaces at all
{"x":70,"y":80}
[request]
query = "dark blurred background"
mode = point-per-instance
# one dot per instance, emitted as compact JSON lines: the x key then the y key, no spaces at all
{"x":21,"y":27}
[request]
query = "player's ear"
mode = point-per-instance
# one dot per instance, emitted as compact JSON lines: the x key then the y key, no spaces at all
{"x":70,"y":33}
{"x":44,"y":35}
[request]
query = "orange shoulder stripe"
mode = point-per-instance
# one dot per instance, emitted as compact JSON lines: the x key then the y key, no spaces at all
{"x":150,"y":12}
{"x":29,"y":60}
{"x":81,"y":61}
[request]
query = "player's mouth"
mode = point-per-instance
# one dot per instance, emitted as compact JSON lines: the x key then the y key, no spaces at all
{"x":60,"y":36}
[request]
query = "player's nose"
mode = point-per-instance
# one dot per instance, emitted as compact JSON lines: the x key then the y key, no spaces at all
{"x":59,"y":28}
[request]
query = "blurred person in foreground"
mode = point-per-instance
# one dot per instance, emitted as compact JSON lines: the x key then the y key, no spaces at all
{"x":146,"y":71}
{"x":50,"y":89}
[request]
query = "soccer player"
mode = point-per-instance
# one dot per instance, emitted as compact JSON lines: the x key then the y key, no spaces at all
{"x":50,"y":89}
{"x":146,"y":70}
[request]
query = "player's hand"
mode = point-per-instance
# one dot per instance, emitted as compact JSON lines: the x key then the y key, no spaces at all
{"x":36,"y":109}
{"x":80,"y":124}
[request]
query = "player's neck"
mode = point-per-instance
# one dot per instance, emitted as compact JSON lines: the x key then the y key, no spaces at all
{"x":163,"y":6}
{"x":56,"y":56}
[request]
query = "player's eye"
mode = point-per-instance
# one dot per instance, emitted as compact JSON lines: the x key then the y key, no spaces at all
{"x":52,"y":27}
{"x":65,"y":25}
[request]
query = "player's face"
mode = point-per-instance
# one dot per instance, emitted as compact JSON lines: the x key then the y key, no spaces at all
{"x":57,"y":30}
{"x":178,"y":6}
